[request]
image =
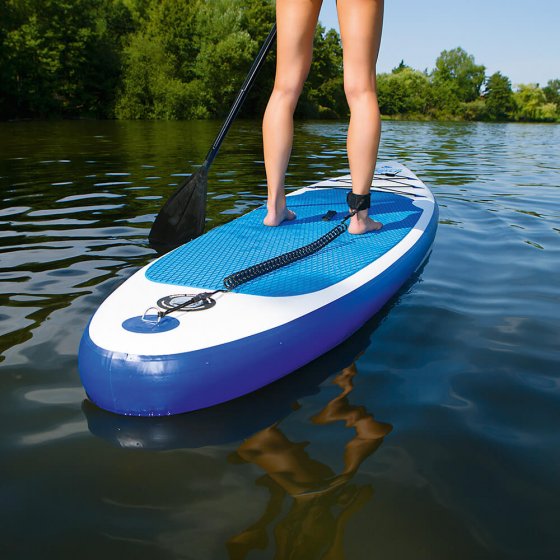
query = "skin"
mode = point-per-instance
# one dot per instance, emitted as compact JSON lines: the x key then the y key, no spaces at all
{"x":360,"y":29}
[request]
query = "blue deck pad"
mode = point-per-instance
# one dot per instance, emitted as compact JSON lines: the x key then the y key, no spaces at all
{"x":206,"y":261}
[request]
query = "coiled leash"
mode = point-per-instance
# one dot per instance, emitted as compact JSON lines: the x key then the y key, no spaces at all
{"x":356,"y":202}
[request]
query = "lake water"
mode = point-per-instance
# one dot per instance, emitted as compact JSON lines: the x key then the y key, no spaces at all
{"x":437,"y":422}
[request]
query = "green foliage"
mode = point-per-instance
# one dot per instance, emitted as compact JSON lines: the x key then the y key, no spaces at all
{"x":225,"y":54}
{"x":446,"y":104}
{"x":158,"y":79}
{"x":552,"y":92}
{"x":499,"y":99}
{"x":189,"y":58}
{"x":186,"y":59}
{"x":58,"y":57}
{"x":404,"y":91}
{"x":498,"y":96}
{"x":457,"y":72}
{"x":152,"y":90}
{"x":402,"y":66}
{"x":531,"y":104}
{"x":476,"y":110}
{"x":453,"y":91}
{"x":323,"y":93}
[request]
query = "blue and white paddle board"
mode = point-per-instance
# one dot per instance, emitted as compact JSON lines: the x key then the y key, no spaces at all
{"x":267,"y":328}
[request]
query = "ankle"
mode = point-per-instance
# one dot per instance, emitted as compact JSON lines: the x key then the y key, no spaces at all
{"x":361,"y":215}
{"x":276,"y":206}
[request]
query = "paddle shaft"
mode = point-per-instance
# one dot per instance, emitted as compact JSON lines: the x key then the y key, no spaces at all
{"x":182,"y":217}
{"x":241,"y":96}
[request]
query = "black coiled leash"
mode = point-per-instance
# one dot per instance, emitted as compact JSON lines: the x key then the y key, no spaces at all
{"x":356,"y":202}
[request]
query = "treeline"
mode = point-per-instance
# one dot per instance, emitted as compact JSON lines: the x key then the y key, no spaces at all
{"x":186,"y":59}
{"x":458,"y":88}
{"x":147,"y":59}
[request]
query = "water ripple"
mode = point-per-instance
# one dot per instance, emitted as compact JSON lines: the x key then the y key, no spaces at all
{"x":463,"y":362}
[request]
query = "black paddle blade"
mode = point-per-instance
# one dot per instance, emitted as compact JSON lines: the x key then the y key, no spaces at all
{"x":183,"y":216}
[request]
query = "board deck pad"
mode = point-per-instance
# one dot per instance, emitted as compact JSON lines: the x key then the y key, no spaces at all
{"x":206,"y":261}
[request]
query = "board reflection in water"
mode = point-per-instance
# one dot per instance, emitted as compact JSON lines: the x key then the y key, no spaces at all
{"x":310,"y":503}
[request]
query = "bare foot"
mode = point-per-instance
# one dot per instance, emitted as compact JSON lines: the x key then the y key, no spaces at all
{"x":274,"y":218}
{"x":362,"y":223}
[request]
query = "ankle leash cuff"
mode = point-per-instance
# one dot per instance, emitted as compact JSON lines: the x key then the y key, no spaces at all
{"x":357,"y":202}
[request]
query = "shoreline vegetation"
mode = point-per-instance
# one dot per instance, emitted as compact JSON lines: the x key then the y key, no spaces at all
{"x":186,"y":59}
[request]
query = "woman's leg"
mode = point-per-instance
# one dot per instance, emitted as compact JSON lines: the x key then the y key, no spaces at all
{"x":296,"y":21}
{"x":361,"y":22}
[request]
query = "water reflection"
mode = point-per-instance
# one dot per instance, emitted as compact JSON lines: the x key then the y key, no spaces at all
{"x":310,"y":502}
{"x":322,"y":501}
{"x":479,"y":337}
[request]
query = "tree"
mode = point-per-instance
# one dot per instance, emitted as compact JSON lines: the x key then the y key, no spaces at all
{"x":225,"y":54}
{"x":158,"y":80}
{"x":457,"y":72}
{"x":171,"y":59}
{"x":323,"y":93}
{"x":58,"y":57}
{"x":257,"y":18}
{"x":474,"y":110}
{"x":498,"y":95}
{"x":404,"y":91}
{"x":151,"y":89}
{"x":532,"y":104}
{"x":189,"y":58}
{"x":174,"y":25}
{"x":552,"y":92}
{"x":402,"y":66}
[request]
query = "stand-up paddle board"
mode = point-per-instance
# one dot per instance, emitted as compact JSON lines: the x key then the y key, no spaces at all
{"x":153,"y":348}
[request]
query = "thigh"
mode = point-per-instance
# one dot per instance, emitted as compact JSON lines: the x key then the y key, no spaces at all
{"x":296,"y":21}
{"x":361,"y":22}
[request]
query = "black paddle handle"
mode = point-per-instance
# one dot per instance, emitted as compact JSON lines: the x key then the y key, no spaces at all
{"x":249,"y":80}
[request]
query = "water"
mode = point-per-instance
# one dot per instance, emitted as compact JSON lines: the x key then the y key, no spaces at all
{"x":432,"y":433}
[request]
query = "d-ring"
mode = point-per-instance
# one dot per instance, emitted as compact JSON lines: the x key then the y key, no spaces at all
{"x":151,"y":321}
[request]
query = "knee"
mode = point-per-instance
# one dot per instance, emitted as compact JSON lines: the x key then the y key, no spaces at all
{"x":359,"y":90}
{"x":287,"y":93}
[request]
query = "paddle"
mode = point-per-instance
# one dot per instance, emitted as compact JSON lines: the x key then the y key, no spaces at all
{"x":182,"y":217}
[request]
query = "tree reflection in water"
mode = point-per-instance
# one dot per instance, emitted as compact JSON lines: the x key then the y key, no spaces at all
{"x":322,"y":501}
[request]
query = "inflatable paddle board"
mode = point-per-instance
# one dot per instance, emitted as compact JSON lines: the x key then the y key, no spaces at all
{"x":235,"y":341}
{"x":232,"y":421}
